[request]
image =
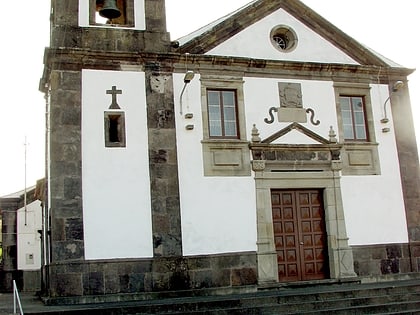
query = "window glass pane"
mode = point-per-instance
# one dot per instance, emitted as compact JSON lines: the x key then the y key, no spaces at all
{"x":347,"y":119}
{"x":215,"y":128}
{"x":213,"y":98}
{"x":357,"y":103}
{"x":360,"y":133}
{"x":230,"y":128}
{"x":228,"y":98}
{"x":214,"y":113}
{"x":345,"y":103}
{"x":229,"y":113}
{"x":359,"y":118}
{"x":348,"y":132}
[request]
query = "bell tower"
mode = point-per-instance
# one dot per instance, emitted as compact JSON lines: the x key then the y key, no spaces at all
{"x":113,"y":212}
{"x":112,"y":25}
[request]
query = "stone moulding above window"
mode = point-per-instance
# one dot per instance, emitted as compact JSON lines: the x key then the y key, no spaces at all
{"x":359,"y":157}
{"x":125,"y":6}
{"x":224,"y":156}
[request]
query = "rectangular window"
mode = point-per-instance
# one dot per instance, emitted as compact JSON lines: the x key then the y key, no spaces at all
{"x":114,"y":129}
{"x":354,"y":118}
{"x":222,"y":114}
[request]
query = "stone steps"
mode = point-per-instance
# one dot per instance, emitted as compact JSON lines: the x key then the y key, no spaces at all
{"x":306,"y":304}
{"x":402,"y":297}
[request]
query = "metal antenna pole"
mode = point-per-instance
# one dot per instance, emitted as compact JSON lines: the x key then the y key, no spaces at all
{"x":24,"y":194}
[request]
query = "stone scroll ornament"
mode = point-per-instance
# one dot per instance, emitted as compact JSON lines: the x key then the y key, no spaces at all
{"x":312,"y":118}
{"x":291,"y":106}
{"x":270,"y":112}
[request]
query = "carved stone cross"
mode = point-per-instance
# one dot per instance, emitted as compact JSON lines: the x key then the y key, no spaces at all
{"x":114,"y":92}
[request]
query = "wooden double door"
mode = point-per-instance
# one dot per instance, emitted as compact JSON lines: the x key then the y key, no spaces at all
{"x":300,"y":235}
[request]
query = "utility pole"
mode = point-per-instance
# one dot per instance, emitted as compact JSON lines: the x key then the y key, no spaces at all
{"x":24,"y":193}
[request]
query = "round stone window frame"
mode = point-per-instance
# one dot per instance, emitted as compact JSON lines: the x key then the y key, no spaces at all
{"x":287,"y":34}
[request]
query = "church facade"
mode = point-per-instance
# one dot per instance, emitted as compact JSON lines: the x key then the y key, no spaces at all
{"x":265,"y":148}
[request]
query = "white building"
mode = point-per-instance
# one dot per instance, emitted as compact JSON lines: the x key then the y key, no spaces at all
{"x":21,"y":240}
{"x":289,"y":155}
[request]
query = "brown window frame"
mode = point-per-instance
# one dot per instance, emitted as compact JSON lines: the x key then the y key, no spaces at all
{"x":222,"y":112}
{"x":353,"y":124}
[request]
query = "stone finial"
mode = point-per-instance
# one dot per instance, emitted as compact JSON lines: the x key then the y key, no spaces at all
{"x":255,"y":134}
{"x":332,"y":135}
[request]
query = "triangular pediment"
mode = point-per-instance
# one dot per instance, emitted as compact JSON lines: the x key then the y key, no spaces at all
{"x":240,"y":33}
{"x":285,"y":156}
{"x":295,"y":127}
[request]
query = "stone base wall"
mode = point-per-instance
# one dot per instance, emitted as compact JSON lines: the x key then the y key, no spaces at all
{"x":26,"y":281}
{"x":6,"y":280}
{"x":31,"y":280}
{"x":86,"y":279}
{"x":385,"y":259}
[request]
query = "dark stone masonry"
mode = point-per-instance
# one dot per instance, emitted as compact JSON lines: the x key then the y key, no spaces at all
{"x":100,"y":278}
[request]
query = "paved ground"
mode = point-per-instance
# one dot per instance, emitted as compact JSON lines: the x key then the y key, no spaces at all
{"x":30,"y":304}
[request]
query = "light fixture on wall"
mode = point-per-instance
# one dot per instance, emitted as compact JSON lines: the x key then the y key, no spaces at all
{"x":397,"y":86}
{"x":189,"y":75}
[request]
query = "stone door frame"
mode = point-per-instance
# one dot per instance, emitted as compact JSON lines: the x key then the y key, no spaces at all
{"x":339,"y":253}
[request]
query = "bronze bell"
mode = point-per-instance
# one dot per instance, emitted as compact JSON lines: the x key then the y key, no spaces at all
{"x":110,"y":10}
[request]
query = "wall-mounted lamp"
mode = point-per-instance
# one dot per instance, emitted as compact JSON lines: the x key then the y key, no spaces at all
{"x":397,"y":86}
{"x":187,"y":79}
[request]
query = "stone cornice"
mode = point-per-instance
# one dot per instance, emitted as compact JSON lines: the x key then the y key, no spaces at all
{"x":77,"y":59}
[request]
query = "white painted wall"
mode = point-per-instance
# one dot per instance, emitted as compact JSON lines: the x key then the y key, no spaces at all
{"x":261,"y":94}
{"x":28,"y":238}
{"x":218,"y":213}
{"x":374,"y":205}
{"x":116,"y":181}
{"x":311,"y":47}
{"x":139,"y":17}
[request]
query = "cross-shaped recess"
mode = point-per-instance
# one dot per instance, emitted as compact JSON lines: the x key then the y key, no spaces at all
{"x":114,"y":92}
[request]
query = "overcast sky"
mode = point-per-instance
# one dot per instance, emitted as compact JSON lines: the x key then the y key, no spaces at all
{"x":388,"y":29}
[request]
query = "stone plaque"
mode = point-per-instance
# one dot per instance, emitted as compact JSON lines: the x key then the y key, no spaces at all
{"x":291,"y":107}
{"x":290,"y":95}
{"x":292,"y":115}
